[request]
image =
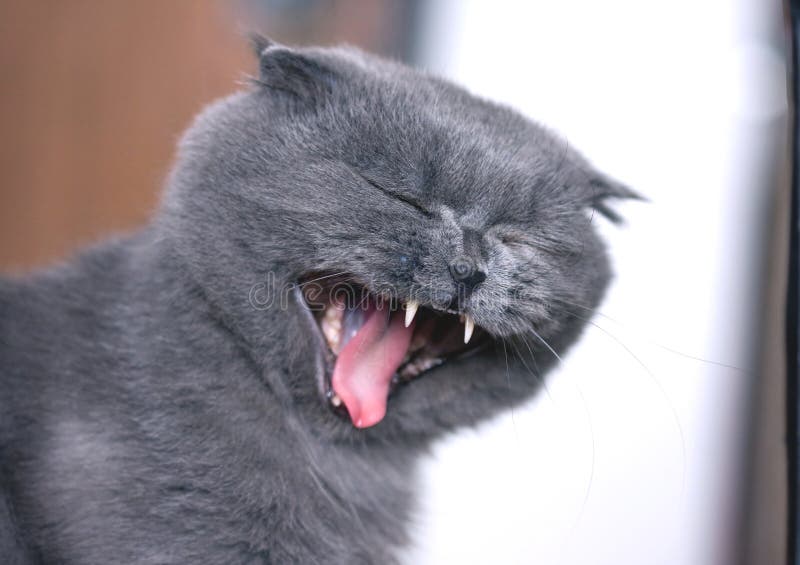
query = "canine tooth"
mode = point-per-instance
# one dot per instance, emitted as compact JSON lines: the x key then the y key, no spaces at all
{"x":469,"y":327}
{"x":411,"y":311}
{"x":336,"y":401}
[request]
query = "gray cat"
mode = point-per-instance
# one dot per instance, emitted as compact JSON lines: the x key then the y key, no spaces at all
{"x":351,"y":259}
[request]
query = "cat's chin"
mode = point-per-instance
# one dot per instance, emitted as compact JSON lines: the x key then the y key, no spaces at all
{"x":373,"y":344}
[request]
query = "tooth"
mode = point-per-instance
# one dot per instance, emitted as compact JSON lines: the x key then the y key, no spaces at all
{"x":331,"y":325}
{"x":417,"y":342}
{"x":469,"y":327}
{"x":411,"y":311}
{"x":336,"y":401}
{"x":331,"y":329}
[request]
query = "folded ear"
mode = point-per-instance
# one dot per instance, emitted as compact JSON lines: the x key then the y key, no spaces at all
{"x":602,"y":189}
{"x":289,"y":72}
{"x":258,"y":43}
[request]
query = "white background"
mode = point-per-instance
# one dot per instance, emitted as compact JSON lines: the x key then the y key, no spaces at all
{"x":634,"y":456}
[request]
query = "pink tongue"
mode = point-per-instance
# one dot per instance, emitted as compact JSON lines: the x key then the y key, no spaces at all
{"x":365,"y":366}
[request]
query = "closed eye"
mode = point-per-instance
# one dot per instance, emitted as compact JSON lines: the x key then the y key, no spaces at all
{"x":519,"y":239}
{"x":401,"y":197}
{"x":510,"y":239}
{"x":514,"y":237}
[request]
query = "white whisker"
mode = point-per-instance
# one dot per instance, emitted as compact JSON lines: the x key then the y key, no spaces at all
{"x":595,"y":312}
{"x":322,"y":277}
{"x":591,"y":430}
{"x":508,"y":383}
{"x":660,"y":387}
{"x":535,"y":371}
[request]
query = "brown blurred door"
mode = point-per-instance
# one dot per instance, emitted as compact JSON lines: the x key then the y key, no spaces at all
{"x":93,"y":96}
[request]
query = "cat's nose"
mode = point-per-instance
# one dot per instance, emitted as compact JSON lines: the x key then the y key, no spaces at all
{"x":467,"y":274}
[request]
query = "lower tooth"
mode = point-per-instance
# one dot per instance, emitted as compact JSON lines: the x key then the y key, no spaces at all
{"x":336,"y":401}
{"x":331,"y":334}
{"x":418,"y":342}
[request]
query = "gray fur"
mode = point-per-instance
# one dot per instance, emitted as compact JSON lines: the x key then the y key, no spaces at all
{"x":150,"y":412}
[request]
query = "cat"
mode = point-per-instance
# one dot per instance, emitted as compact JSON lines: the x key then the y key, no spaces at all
{"x":351,"y":259}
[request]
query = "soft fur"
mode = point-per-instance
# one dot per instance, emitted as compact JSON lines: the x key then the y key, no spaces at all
{"x":157,"y":406}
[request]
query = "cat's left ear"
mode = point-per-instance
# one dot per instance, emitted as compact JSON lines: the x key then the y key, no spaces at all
{"x":290,"y":72}
{"x":603,"y":189}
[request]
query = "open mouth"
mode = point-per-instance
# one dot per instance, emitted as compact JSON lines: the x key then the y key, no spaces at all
{"x":376,"y":343}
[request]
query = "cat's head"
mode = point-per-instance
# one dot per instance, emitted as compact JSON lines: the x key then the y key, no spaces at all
{"x":417,"y":252}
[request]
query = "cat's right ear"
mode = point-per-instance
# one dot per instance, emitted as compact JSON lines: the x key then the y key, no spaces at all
{"x":289,"y":72}
{"x":602,"y":189}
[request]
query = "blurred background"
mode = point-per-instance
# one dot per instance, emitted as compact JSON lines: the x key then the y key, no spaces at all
{"x":660,"y":440}
{"x":95,"y":93}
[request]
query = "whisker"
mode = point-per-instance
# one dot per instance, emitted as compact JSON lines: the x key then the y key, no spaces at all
{"x":596,"y":312}
{"x":547,"y":345}
{"x":321,"y":278}
{"x":660,"y":387}
{"x":591,"y":429}
{"x":321,"y":479}
{"x":537,"y":374}
{"x":508,"y":383}
{"x":363,"y":301}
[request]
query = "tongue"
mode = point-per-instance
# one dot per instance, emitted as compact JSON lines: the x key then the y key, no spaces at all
{"x":365,"y":366}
